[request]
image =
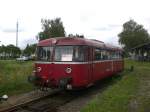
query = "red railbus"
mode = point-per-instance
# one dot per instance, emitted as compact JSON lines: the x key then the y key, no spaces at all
{"x":71,"y":63}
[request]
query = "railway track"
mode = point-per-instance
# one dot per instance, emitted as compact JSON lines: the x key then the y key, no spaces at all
{"x":20,"y":106}
{"x":47,"y":103}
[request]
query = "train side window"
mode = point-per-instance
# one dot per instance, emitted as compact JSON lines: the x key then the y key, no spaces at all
{"x":120,"y":55}
{"x":109,"y":57}
{"x":97,"y":54}
{"x":104,"y":54}
{"x":112,"y":55}
{"x":116,"y":55}
{"x":79,"y":53}
{"x":44,"y":53}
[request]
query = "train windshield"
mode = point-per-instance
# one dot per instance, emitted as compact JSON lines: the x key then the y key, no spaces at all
{"x":44,"y":53}
{"x":70,"y":53}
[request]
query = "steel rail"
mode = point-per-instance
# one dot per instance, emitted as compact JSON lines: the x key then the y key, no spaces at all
{"x":18,"y":106}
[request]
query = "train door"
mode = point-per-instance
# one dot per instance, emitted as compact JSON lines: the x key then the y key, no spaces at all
{"x":90,"y":64}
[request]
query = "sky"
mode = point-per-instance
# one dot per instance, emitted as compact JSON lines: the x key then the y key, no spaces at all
{"x":95,"y":19}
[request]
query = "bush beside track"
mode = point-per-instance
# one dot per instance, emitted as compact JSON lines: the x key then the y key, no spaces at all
{"x":130,"y":93}
{"x":13,"y":77}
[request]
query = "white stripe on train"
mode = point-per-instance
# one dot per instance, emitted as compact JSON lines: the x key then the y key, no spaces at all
{"x":89,"y":62}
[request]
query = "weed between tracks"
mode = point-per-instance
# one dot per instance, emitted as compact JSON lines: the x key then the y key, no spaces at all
{"x":13,"y":77}
{"x":130,"y":93}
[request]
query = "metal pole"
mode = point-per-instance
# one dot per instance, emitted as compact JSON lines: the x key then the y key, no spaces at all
{"x":17,"y":34}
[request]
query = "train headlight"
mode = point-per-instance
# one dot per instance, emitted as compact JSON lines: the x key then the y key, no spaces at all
{"x":39,"y":69}
{"x":68,"y":70}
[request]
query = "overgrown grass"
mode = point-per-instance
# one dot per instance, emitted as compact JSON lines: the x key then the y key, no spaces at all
{"x":130,"y":93}
{"x":13,"y":77}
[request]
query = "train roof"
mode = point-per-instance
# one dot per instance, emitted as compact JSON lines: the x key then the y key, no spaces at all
{"x":76,"y":41}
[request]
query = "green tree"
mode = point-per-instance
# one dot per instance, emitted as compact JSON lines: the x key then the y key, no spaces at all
{"x":51,"y":28}
{"x":29,"y":50}
{"x":9,"y":51}
{"x":12,"y":51}
{"x":133,"y":35}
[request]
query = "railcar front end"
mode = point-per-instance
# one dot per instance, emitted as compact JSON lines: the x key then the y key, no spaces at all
{"x":63,"y":66}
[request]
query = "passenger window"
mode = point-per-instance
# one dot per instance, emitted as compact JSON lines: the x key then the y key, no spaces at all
{"x":44,"y":53}
{"x":109,"y":55}
{"x":79,"y":53}
{"x":120,"y":55}
{"x":98,"y":54}
{"x":116,"y":55}
{"x":104,"y":55}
